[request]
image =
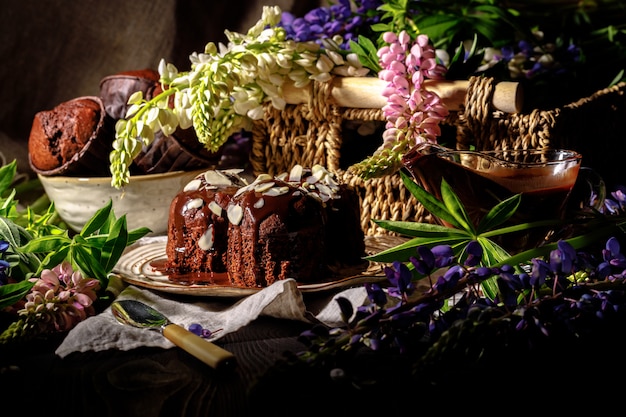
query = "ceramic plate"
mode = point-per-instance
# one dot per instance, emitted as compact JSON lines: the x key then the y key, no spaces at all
{"x":139,"y":266}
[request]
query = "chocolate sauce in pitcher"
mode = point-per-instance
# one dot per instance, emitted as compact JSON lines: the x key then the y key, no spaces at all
{"x":481,"y":180}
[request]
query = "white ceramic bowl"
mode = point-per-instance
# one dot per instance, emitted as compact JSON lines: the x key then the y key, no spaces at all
{"x":145,"y":199}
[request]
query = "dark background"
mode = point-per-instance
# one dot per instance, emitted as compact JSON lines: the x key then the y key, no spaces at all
{"x":56,"y":50}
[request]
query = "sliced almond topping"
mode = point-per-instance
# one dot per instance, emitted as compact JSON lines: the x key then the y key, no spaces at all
{"x":295,"y":175}
{"x":264,"y":186}
{"x":234,"y":213}
{"x":263,"y":177}
{"x":259,"y":203}
{"x":276,"y":191}
{"x":215,"y":208}
{"x":206,"y":240}
{"x":193,"y":204}
{"x":216,"y":178}
{"x":324,"y":189}
{"x":244,"y":189}
{"x":192,"y":185}
{"x":319,"y":171}
{"x":311,"y":179}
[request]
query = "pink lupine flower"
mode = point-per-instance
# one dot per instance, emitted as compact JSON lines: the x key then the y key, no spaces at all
{"x":59,"y":299}
{"x":413,"y":114}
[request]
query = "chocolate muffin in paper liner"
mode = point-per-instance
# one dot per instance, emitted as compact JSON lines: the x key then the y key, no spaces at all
{"x":74,"y":138}
{"x":115,"y":90}
{"x":179,"y":152}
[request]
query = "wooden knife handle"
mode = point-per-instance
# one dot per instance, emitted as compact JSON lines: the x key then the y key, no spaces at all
{"x":207,"y":352}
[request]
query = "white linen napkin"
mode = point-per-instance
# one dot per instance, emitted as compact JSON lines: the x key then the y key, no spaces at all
{"x":282,"y":299}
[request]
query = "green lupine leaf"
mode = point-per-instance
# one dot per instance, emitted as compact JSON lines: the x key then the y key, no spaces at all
{"x":115,"y":244}
{"x":367,"y":52}
{"x":403,"y":251}
{"x":7,"y":174}
{"x":455,"y":207}
{"x":12,"y":293}
{"x":493,"y":253}
{"x":12,"y":233}
{"x":16,"y":236}
{"x":418,"y":229}
{"x":48,"y":243}
{"x":53,"y":259}
{"x":8,"y":205}
{"x":99,"y":218}
{"x":521,"y":227}
{"x":136,"y":234}
{"x":85,"y":262}
{"x":429,"y":201}
{"x":500,"y":213}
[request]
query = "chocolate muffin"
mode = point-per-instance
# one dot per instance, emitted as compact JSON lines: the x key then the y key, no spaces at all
{"x":73,"y":138}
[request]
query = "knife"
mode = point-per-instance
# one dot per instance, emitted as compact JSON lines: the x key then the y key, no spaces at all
{"x":138,"y":314}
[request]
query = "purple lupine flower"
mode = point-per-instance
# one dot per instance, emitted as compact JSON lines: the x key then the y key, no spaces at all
{"x":400,"y":278}
{"x":4,"y":265}
{"x":612,"y":254}
{"x":450,"y":278}
{"x":444,"y":255}
{"x":376,"y":294}
{"x":425,"y":262}
{"x":562,"y":259}
{"x":474,"y":253}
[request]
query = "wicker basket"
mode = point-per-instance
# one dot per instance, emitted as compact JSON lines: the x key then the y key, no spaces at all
{"x":315,"y":132}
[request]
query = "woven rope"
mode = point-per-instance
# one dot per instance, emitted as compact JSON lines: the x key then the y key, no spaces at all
{"x":311,"y":133}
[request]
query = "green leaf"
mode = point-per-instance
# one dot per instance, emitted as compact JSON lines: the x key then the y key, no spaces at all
{"x":136,"y":234}
{"x":7,"y":174}
{"x":455,"y":207}
{"x":492,"y":252}
{"x":48,"y":243}
{"x":53,"y":259}
{"x":12,"y":293}
{"x":7,"y":209}
{"x":520,"y":227}
{"x":418,"y":229}
{"x":85,"y":262}
{"x":429,"y":201}
{"x":367,"y":53}
{"x":499,"y":213}
{"x":12,"y":233}
{"x":115,"y":244}
{"x":99,"y":219}
{"x":403,"y":251}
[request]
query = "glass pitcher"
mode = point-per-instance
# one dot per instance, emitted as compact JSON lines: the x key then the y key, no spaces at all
{"x":544,"y":177}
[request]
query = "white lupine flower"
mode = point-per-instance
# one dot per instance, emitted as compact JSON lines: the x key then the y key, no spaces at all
{"x":310,"y":47}
{"x":332,"y":44}
{"x":283,"y":60}
{"x":336,"y":57}
{"x":278,"y":102}
{"x":306,"y":60}
{"x":132,"y":109}
{"x":227,"y":87}
{"x":185,"y":118}
{"x":153,"y":114}
{"x":353,"y":60}
{"x":243,"y":107}
{"x":270,"y":89}
{"x":277,"y":79}
{"x":256,"y":113}
{"x":322,"y":77}
{"x":343,"y":70}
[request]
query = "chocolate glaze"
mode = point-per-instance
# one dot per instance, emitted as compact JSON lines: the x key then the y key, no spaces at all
{"x":187,"y":225}
{"x":279,"y":237}
{"x":276,"y":230}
